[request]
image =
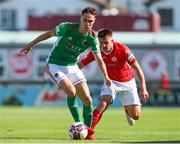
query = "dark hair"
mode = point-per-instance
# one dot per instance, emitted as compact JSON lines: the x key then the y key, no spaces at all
{"x":104,"y":32}
{"x":90,"y":10}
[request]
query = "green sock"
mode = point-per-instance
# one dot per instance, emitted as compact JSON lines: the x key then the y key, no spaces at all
{"x":73,"y":107}
{"x":88,"y":115}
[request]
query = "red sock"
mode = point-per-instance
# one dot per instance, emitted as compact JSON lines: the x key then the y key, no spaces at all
{"x":96,"y":117}
{"x":90,"y":131}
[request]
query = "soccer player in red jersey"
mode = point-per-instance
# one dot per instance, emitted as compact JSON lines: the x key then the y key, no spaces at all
{"x":122,"y":67}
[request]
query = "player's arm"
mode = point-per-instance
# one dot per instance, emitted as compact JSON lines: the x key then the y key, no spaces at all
{"x":85,"y":61}
{"x":143,"y":91}
{"x":102,"y":68}
{"x":40,"y":38}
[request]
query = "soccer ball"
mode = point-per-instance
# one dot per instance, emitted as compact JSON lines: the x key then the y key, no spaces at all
{"x":78,"y":131}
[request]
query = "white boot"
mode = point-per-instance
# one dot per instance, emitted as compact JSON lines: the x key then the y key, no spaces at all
{"x":130,"y":120}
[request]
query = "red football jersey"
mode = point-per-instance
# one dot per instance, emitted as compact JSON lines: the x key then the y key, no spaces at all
{"x":117,"y":62}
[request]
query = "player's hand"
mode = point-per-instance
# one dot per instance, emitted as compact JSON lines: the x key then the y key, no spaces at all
{"x":144,"y":94}
{"x":108,"y":82}
{"x":26,"y":49}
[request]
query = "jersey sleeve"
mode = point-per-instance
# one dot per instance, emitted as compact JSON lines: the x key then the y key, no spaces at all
{"x":95,"y":46}
{"x":88,"y":59}
{"x":60,"y":29}
{"x":129,"y":56}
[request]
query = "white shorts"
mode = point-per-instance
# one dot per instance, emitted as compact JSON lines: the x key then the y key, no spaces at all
{"x":126,"y":90}
{"x":58,"y":73}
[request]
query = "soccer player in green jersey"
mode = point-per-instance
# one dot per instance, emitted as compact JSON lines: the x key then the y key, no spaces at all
{"x":73,"y":39}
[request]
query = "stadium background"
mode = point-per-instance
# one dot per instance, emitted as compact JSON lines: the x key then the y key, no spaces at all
{"x":151,"y":32}
{"x":33,"y":110}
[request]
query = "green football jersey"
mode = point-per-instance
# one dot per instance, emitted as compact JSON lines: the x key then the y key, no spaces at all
{"x":70,"y":44}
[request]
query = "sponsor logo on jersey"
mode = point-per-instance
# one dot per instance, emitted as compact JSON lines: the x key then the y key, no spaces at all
{"x":69,"y":44}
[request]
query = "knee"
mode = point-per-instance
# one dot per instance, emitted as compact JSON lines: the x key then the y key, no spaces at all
{"x":88,"y":101}
{"x":71,"y":92}
{"x":104,"y":104}
{"x":136,"y":116}
{"x":133,"y":111}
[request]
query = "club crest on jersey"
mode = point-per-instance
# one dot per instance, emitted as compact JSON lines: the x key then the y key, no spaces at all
{"x":84,"y":42}
{"x":131,"y":57}
{"x":114,"y":59}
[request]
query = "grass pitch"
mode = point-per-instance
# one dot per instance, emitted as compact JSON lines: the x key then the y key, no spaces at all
{"x":50,"y":125}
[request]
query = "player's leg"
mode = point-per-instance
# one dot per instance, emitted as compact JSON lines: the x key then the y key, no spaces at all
{"x":133,"y":113}
{"x":84,"y":94}
{"x":72,"y":102}
{"x":131,"y":102}
{"x":105,"y":101}
{"x":58,"y":75}
{"x":82,"y":91}
{"x":106,"y":98}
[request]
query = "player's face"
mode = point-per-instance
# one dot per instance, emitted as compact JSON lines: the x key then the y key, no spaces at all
{"x":87,"y":21}
{"x":106,"y":43}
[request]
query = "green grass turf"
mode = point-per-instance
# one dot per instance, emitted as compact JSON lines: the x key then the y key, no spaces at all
{"x":50,"y":125}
